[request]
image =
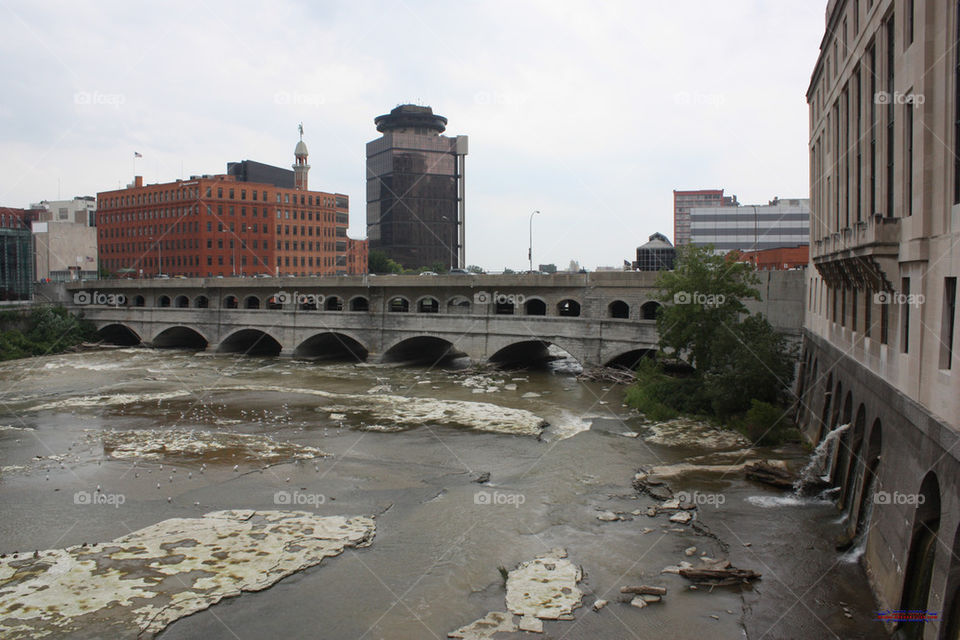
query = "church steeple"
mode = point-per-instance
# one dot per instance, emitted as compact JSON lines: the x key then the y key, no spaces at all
{"x":300,"y":166}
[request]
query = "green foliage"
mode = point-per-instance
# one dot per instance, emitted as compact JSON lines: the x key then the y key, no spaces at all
{"x":378,"y":262}
{"x":766,"y":424}
{"x":507,"y":271}
{"x":42,"y":331}
{"x":706,"y":293}
{"x":474,"y":269}
{"x":661,"y":396}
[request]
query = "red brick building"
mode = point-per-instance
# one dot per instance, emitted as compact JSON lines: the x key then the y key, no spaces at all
{"x":684,"y":200}
{"x":222,"y":225}
{"x":779,"y":258}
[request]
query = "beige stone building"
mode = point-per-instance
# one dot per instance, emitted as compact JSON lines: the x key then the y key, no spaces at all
{"x":880,"y":343}
{"x":65,"y":239}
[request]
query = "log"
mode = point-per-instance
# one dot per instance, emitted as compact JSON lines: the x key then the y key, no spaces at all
{"x":720,"y":577}
{"x":644,"y":589}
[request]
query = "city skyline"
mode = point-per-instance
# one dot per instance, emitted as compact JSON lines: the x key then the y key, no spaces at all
{"x":592,"y":116}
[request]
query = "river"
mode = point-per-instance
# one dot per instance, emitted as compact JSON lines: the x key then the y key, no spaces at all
{"x":407,"y":445}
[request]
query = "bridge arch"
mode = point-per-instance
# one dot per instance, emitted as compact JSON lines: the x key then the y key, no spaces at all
{"x":398,"y":304}
{"x":201,"y":302}
{"x":180,"y":337}
{"x":163,"y":301}
{"x":649,"y":309}
{"x":231,"y":302}
{"x":251,"y":302}
{"x":533,"y":352}
{"x":331,"y":345}
{"x":423,"y":349}
{"x":333,"y":303}
{"x":251,"y":342}
{"x":918,"y":576}
{"x":630,"y":359}
{"x":359,"y":303}
{"x":428,"y":304}
{"x":121,"y":334}
{"x":618,"y":309}
{"x":139,"y":301}
{"x":534,"y":307}
{"x":950,"y":627}
{"x":568,"y":308}
{"x":181,"y":302}
{"x":458,"y":305}
{"x":867,"y":482}
{"x":850,"y":455}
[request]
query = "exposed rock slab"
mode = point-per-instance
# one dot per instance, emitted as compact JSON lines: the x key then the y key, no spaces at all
{"x":138,"y":584}
{"x":545,"y":587}
{"x":485,"y":627}
{"x":164,"y":444}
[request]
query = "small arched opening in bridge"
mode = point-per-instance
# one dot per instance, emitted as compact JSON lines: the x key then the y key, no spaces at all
{"x":631,"y":359}
{"x":333,"y":303}
{"x":119,"y":334}
{"x":201,"y":302}
{"x":851,"y":457}
{"x":534,"y":307}
{"x":649,"y":309}
{"x":181,"y":302}
{"x":426,"y":350}
{"x":398,"y":304}
{"x":951,"y":599}
{"x":139,"y":301}
{"x":251,"y":342}
{"x":274,"y":304}
{"x":458,"y":305}
{"x":428,"y":305}
{"x":306,"y":303}
{"x":568,"y":309}
{"x":618,"y":309}
{"x":331,"y":346}
{"x":918,"y":575}
{"x":251,"y":302}
{"x":867,"y":483}
{"x":503,"y":306}
{"x":359,"y":303}
{"x":533,"y":354}
{"x":231,"y":302}
{"x":180,"y":338}
{"x":163,"y":301}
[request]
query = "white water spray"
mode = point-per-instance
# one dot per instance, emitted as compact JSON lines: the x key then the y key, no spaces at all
{"x":821,"y":463}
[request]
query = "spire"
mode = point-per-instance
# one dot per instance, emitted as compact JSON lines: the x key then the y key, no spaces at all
{"x":300,"y":166}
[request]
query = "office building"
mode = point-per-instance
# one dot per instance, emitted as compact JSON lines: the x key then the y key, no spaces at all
{"x":415,"y":189}
{"x":781,"y":223}
{"x":16,"y":254}
{"x":684,"y":200}
{"x":655,"y":255}
{"x":65,"y":239}
{"x":224,"y":225}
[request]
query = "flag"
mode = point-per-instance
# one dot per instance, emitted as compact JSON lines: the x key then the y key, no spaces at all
{"x":137,"y":155}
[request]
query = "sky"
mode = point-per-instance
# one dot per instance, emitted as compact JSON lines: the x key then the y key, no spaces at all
{"x":591,"y":113}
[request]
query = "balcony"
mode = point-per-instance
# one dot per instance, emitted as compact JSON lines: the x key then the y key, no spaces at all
{"x":863,"y":256}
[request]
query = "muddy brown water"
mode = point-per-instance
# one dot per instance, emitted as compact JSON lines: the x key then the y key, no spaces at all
{"x":407,"y":444}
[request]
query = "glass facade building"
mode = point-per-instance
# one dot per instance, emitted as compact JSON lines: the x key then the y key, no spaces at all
{"x":415,"y":189}
{"x":16,"y":254}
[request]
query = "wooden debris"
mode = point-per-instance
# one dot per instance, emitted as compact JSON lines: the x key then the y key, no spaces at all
{"x":771,"y":475}
{"x":615,"y":375}
{"x":645,"y":589}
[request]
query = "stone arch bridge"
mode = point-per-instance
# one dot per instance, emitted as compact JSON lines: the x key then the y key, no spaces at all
{"x":598,"y":318}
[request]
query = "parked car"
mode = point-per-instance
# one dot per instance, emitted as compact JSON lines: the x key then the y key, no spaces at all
{"x":428,"y":273}
{"x":458,"y":272}
{"x":161,"y":276}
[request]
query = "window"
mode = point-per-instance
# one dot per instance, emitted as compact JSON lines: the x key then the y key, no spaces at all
{"x":908,"y":24}
{"x":905,"y":315}
{"x":872,"y":58}
{"x":908,"y":135}
{"x":948,"y":322}
{"x":890,"y":116}
{"x":884,"y":322}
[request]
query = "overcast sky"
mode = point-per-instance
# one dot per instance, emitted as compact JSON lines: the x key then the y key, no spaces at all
{"x":591,"y":112}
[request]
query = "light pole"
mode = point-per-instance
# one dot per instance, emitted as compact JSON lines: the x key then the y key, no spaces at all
{"x":530,"y":247}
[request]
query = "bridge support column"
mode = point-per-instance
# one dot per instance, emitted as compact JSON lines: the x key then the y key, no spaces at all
{"x":286,"y":352}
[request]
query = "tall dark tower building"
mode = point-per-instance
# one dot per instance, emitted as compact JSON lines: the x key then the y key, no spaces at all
{"x":415,"y":189}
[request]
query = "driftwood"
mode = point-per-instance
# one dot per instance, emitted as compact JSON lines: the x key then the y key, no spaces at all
{"x":768,"y":474}
{"x":720,"y":577}
{"x":608,"y":374}
{"x":645,"y":590}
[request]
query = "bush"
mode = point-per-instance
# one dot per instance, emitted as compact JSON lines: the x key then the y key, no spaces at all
{"x":765,"y":424}
{"x":44,"y":330}
{"x":660,"y":396}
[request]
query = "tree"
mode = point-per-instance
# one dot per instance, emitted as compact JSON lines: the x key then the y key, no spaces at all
{"x":378,"y":262}
{"x":707,"y":292}
{"x":474,"y":269}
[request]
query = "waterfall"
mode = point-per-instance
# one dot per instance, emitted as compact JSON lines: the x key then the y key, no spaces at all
{"x":859,"y":544}
{"x":816,"y":474}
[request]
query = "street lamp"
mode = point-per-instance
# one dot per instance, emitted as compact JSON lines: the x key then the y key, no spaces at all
{"x":530,"y":248}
